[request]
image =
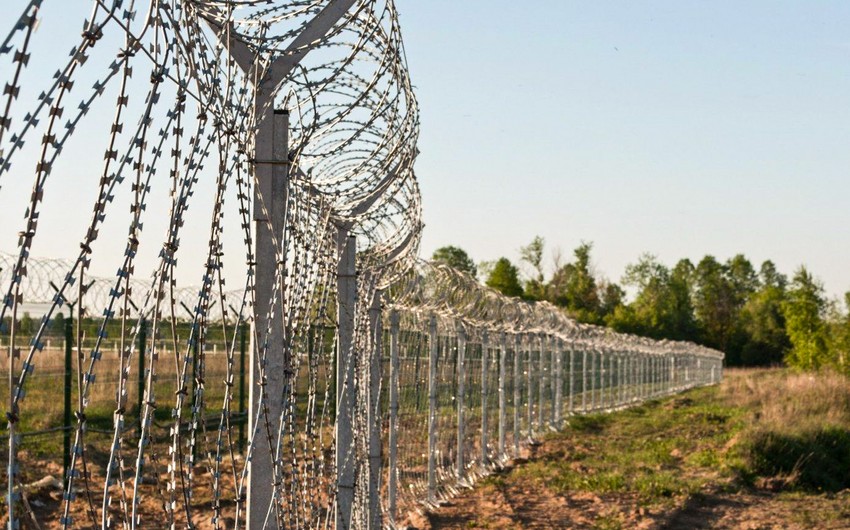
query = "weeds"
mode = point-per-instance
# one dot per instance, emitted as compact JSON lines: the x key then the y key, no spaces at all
{"x":798,"y":428}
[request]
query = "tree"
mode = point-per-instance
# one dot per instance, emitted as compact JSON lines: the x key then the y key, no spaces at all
{"x":839,"y":335}
{"x":611,"y":297}
{"x":763,"y":321}
{"x":455,"y":257}
{"x":574,"y":287}
{"x":683,"y":322}
{"x":662,"y":307}
{"x":716,"y":306}
{"x":804,"y":311}
{"x":742,"y":276}
{"x":59,"y":324}
{"x":27,"y":325}
{"x":532,"y":254}
{"x":504,"y":278}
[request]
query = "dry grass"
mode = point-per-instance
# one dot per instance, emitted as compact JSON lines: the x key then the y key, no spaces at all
{"x":797,"y":433}
{"x":781,"y":399}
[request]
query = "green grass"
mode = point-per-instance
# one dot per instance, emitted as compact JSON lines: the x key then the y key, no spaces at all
{"x":770,"y":425}
{"x":656,"y":451}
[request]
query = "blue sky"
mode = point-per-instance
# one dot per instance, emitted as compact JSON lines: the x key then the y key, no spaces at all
{"x":677,"y":128}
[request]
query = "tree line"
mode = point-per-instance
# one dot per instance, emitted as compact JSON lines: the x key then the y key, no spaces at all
{"x":757,"y":316}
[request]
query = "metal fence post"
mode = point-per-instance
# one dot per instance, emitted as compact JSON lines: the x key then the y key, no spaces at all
{"x":374,"y":417}
{"x":517,"y":383}
{"x":633,"y":376}
{"x":570,"y":408}
{"x":461,"y":397}
{"x":345,"y":384}
{"x":672,"y":372}
{"x":529,"y":388}
{"x":584,"y":379}
{"x":66,"y":433}
{"x":485,"y":346}
{"x":593,"y":374}
{"x":604,"y":378}
{"x":543,"y":382}
{"x":244,"y":419}
{"x":656,"y":375}
{"x":558,"y":353}
{"x":503,"y":398}
{"x":143,"y":341}
{"x":699,"y":369}
{"x":656,"y":379}
{"x":432,"y":409}
{"x":621,"y":379}
{"x":392,"y":483}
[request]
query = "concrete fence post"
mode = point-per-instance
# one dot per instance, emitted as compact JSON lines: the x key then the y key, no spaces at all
{"x":267,"y":337}
{"x":345,"y":390}
{"x":392,"y":484}
{"x":571,"y":398}
{"x":621,"y":379}
{"x":432,"y":409}
{"x":374,"y":416}
{"x":485,"y":346}
{"x":543,"y":382}
{"x":584,"y":380}
{"x":529,"y":387}
{"x":594,"y":372}
{"x":517,"y":383}
{"x":503,"y":403}
{"x":557,"y":366}
{"x":461,"y":398}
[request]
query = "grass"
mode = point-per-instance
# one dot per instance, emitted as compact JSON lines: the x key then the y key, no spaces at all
{"x":642,"y":451}
{"x":767,"y":448}
{"x":762,"y":428}
{"x":799,"y":429}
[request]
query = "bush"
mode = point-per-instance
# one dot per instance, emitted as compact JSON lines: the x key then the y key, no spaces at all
{"x":816,"y":459}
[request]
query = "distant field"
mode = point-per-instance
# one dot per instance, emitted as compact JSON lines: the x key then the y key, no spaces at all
{"x":766,"y":449}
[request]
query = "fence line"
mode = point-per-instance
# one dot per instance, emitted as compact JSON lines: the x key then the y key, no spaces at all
{"x":475,"y":377}
{"x":460,"y":379}
{"x":298,"y":121}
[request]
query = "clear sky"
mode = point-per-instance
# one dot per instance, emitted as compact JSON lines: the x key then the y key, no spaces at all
{"x":679,"y":128}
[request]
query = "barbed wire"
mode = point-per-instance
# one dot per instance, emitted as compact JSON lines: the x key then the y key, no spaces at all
{"x":351,"y":148}
{"x":284,"y":130}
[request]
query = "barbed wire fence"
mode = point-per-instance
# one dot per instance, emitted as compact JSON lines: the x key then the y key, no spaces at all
{"x":474,"y":377}
{"x":376,"y":384}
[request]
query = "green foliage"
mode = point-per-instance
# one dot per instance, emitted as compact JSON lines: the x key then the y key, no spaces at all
{"x":662,"y":308}
{"x":455,"y":257}
{"x":808,"y":460}
{"x":763,"y":320}
{"x":804,"y":312}
{"x":839,"y":336}
{"x":755,"y":317}
{"x":59,"y":324}
{"x":504,"y":278}
{"x":715,"y":304}
{"x":532,"y":254}
{"x":27,"y":326}
{"x":574,"y":287}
